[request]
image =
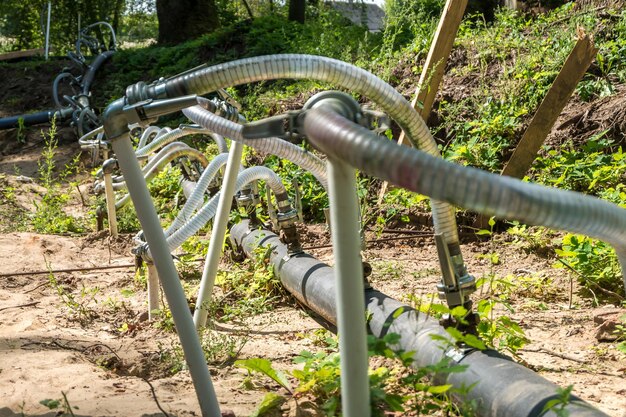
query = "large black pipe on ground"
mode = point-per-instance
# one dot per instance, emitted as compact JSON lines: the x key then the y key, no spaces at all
{"x":499,"y":386}
{"x":32,"y":119}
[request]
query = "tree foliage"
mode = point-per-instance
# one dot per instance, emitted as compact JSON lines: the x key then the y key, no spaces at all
{"x":182,"y":20}
{"x":24,"y":21}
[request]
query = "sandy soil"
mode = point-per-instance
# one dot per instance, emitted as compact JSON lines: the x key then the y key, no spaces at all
{"x":104,"y":371}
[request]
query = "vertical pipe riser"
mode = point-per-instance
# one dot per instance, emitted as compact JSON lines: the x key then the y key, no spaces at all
{"x":351,"y":324}
{"x":110,"y":200}
{"x":220,"y":225}
{"x":48,"y":30}
{"x":153,"y":291}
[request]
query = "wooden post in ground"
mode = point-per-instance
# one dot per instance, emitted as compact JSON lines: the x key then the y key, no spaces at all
{"x":435,"y":65}
{"x":551,"y":107}
{"x":437,"y":58}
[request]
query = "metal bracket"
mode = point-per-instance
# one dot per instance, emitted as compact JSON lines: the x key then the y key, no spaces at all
{"x":223,"y":94}
{"x":297,"y":204}
{"x":282,"y":126}
{"x":271,"y":211}
{"x":147,"y":111}
{"x":453,"y":288}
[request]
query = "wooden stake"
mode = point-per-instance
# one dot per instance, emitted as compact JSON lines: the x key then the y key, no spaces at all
{"x":551,"y":107}
{"x":435,"y":65}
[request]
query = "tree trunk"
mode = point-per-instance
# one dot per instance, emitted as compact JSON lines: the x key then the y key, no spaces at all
{"x":181,"y":20}
{"x":296,"y":10}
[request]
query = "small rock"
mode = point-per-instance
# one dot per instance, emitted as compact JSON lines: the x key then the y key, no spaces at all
{"x":228,"y":413}
{"x":143,"y":316}
{"x":24,"y":179}
{"x":601,"y":315}
{"x":606,"y":332}
{"x":608,"y":319}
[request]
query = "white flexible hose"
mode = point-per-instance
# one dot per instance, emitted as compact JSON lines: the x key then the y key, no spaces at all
{"x":197,"y":196}
{"x":147,"y":134}
{"x":207,"y":212}
{"x":166,"y":159}
{"x":178,"y":133}
{"x":273,"y":146}
{"x":333,"y":71}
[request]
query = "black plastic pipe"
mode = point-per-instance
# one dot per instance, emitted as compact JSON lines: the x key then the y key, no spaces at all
{"x":499,"y":386}
{"x":32,"y":119}
{"x":93,"y":69}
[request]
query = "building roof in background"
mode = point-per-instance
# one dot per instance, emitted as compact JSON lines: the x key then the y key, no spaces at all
{"x":365,"y":12}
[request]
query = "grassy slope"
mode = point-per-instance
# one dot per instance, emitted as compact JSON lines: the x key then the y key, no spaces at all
{"x":497,"y":76}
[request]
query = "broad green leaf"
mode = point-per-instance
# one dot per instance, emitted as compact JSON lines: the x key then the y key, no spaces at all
{"x":398,"y":312}
{"x":439,"y":389}
{"x":473,"y":341}
{"x":264,"y":367}
{"x":270,"y":402}
{"x":550,"y":405}
{"x":395,"y":402}
{"x":51,"y":404}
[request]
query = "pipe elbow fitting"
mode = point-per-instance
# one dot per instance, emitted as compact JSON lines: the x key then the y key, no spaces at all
{"x":114,"y":120}
{"x":338,"y":102}
{"x":109,"y":166}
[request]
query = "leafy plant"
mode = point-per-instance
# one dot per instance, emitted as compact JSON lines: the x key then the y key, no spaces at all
{"x":251,"y":285}
{"x":594,"y":263}
{"x":51,"y":213}
{"x":496,"y":331}
{"x":21,"y":131}
{"x":595,"y":167}
{"x":79,"y":306}
{"x":61,"y":404}
{"x":397,"y":389}
{"x":557,"y":405}
{"x":501,"y":332}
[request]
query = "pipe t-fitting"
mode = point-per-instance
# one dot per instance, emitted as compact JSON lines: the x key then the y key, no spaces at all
{"x":288,"y":231}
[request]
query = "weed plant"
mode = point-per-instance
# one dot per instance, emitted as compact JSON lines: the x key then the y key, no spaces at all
{"x":250,"y":288}
{"x":80,"y":306}
{"x":51,"y":212}
{"x":395,"y":386}
{"x":62,"y":405}
{"x":517,"y":59}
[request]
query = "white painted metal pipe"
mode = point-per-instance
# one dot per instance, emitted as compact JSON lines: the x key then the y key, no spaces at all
{"x":351,"y":324}
{"x":153,"y":291}
{"x":168,"y":275}
{"x":48,"y":30}
{"x":218,"y":233}
{"x":110,"y":198}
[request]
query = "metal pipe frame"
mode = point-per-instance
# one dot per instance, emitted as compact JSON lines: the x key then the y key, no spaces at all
{"x":351,"y":325}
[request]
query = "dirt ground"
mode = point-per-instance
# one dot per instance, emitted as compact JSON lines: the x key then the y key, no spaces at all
{"x":114,"y":363}
{"x":105,"y":371}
